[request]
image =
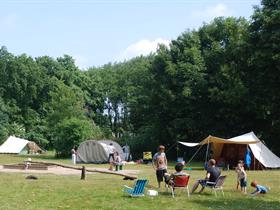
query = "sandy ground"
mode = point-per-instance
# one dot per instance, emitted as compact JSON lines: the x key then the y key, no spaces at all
{"x":61,"y":171}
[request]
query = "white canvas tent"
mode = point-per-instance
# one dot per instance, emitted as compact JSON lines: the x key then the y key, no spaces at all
{"x":260,"y":151}
{"x":14,"y":145}
{"x":93,"y":151}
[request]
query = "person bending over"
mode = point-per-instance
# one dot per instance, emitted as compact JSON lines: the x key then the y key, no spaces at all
{"x":259,"y":189}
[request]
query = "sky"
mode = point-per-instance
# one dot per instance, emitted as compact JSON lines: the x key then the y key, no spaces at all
{"x":96,"y":32}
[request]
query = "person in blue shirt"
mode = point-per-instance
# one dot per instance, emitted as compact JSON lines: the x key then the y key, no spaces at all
{"x":247,"y":160}
{"x":259,"y":189}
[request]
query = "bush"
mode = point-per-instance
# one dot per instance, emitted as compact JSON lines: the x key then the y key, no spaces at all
{"x":71,"y":132}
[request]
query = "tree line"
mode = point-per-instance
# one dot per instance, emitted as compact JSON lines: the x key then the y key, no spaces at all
{"x":221,"y":79}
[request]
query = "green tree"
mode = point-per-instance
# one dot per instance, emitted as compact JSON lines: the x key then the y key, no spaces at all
{"x":71,"y":132}
{"x":264,"y":69}
{"x":65,"y":112}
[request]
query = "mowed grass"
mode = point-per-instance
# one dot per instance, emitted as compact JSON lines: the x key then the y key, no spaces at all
{"x":101,"y":191}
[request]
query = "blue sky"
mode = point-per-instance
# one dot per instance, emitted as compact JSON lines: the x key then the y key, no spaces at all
{"x":96,"y":32}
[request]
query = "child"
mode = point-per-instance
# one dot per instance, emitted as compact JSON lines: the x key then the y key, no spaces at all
{"x":160,"y":164}
{"x":118,"y":161}
{"x":179,"y":172}
{"x":241,"y":176}
{"x":259,"y":189}
{"x":74,"y":154}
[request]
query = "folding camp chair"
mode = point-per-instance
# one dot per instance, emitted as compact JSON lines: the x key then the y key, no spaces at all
{"x":138,"y":189}
{"x":218,"y":185}
{"x":180,"y":182}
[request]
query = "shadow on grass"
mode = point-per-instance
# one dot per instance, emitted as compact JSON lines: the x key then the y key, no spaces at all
{"x":237,"y":203}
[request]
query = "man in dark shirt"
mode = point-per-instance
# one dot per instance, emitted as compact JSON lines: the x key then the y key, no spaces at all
{"x":212,"y":175}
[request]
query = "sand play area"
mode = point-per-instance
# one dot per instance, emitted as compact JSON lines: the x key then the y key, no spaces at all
{"x":58,"y":170}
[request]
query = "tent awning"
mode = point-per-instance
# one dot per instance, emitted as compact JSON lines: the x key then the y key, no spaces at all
{"x":259,"y":150}
{"x":248,"y":138}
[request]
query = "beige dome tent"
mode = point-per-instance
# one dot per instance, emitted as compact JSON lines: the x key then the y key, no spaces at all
{"x":93,"y":151}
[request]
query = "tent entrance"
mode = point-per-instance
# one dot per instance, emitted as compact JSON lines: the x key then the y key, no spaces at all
{"x":231,"y":154}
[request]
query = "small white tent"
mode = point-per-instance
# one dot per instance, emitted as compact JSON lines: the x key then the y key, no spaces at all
{"x":233,"y":147}
{"x":93,"y":151}
{"x":14,"y":145}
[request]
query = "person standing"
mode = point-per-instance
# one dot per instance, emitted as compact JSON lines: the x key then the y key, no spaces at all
{"x":126,"y":151}
{"x":112,"y":150}
{"x":248,"y":158}
{"x":160,"y":164}
{"x":74,"y":154}
{"x":241,"y":176}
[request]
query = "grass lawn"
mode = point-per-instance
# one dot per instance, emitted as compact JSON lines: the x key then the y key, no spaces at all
{"x":100,"y":191}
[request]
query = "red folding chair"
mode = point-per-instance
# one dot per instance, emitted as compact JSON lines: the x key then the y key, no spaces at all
{"x":180,"y":182}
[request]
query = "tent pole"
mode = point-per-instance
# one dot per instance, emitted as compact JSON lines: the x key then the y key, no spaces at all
{"x":177,"y":148}
{"x":194,"y":155}
{"x":171,"y":147}
{"x":207,"y":151}
{"x":260,"y":156}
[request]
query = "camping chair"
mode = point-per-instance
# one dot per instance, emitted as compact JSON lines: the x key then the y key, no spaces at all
{"x":218,"y":185}
{"x":180,"y":182}
{"x":138,"y":189}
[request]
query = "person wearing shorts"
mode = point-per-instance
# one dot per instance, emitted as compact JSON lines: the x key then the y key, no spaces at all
{"x":160,"y":164}
{"x":212,"y":175}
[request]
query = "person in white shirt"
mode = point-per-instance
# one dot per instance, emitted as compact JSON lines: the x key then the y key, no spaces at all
{"x":160,"y":164}
{"x":111,"y":152}
{"x":74,"y":155}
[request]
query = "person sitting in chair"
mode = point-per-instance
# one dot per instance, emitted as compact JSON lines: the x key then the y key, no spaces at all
{"x":212,"y":175}
{"x":169,"y":179}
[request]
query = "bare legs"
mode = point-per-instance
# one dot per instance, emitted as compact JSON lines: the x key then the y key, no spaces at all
{"x":195,"y":186}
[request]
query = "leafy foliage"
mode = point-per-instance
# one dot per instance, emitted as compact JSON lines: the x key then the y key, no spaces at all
{"x":221,"y":79}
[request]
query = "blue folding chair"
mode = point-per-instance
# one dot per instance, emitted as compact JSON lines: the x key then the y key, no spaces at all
{"x":138,"y":189}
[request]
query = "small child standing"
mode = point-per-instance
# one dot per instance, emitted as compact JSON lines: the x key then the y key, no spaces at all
{"x":259,"y":189}
{"x":241,"y":176}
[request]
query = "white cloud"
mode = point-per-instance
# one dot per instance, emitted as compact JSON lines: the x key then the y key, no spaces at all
{"x":142,"y":47}
{"x":211,"y":12}
{"x":82,"y":62}
{"x":8,"y":21}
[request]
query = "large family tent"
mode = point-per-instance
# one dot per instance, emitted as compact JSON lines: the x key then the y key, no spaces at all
{"x":231,"y":150}
{"x":14,"y":145}
{"x":93,"y":151}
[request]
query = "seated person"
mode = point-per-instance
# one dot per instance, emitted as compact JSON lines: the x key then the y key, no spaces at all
{"x":169,"y":179}
{"x":259,"y":189}
{"x":212,"y":175}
